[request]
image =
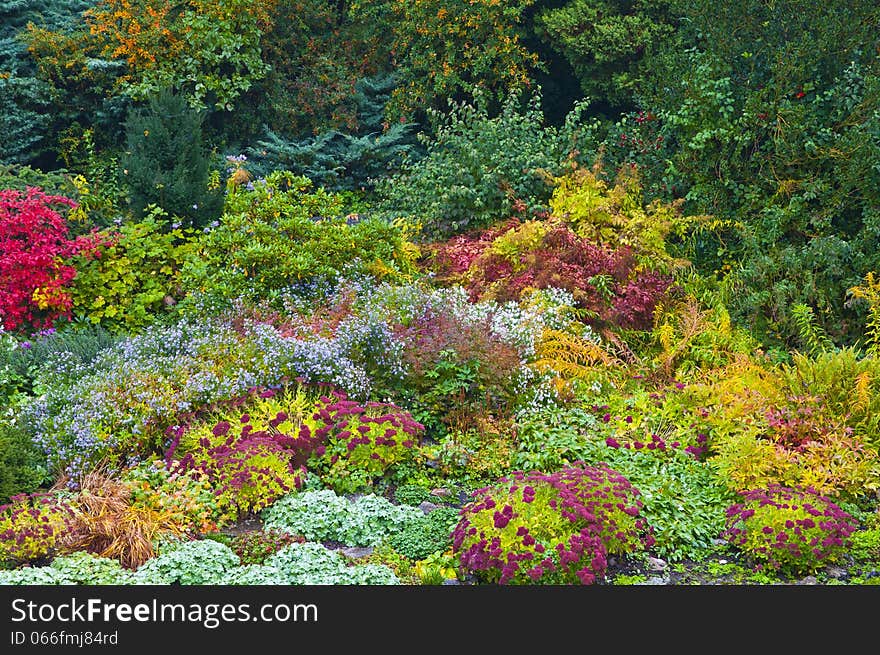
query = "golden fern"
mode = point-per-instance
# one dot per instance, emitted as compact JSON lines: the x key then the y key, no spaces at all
{"x":679,"y":327}
{"x":870,"y":292}
{"x":862,"y":392}
{"x":570,"y":356}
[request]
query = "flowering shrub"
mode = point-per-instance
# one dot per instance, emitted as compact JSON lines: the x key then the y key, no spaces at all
{"x":683,"y":498}
{"x":550,"y":528}
{"x":361,"y":444}
{"x":350,"y":445}
{"x":793,"y":530}
{"x":248,"y":470}
{"x":120,"y":405}
{"x":260,"y":411}
{"x":457,"y":368}
{"x":34,"y":244}
{"x":31,"y":526}
{"x":324,"y":516}
{"x":368,"y":338}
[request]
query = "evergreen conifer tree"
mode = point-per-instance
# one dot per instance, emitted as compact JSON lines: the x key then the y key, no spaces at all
{"x":339,"y":160}
{"x":166,"y":162}
{"x":25,"y":101}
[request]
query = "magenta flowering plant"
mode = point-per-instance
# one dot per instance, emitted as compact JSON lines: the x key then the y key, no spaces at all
{"x":260,"y":450}
{"x":793,"y":530}
{"x":248,"y":469}
{"x":31,"y":525}
{"x":361,"y":444}
{"x":559,"y":528}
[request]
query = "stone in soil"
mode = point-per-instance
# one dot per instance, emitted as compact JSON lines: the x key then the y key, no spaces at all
{"x":656,"y":564}
{"x":354,"y":552}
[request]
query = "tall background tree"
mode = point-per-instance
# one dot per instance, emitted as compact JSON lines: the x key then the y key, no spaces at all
{"x":166,"y":162}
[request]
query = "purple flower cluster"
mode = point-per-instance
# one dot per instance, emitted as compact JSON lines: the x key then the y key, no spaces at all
{"x":792,"y":529}
{"x":31,"y":525}
{"x":512,"y":533}
{"x":658,"y":444}
{"x":248,"y":469}
{"x":360,"y":442}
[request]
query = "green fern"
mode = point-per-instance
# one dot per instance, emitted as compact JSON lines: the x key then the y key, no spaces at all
{"x":809,"y":331}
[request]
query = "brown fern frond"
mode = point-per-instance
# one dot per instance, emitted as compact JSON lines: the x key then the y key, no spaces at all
{"x":618,"y":347}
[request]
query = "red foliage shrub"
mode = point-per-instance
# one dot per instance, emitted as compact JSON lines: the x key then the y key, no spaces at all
{"x":606,"y":282}
{"x":451,"y":259}
{"x":33,"y":249}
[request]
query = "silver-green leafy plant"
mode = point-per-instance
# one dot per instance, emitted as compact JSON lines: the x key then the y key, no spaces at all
{"x":324,"y":516}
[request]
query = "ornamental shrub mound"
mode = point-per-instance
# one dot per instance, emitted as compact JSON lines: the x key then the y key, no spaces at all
{"x":608,"y":281}
{"x":556,"y":528}
{"x":278,"y":232}
{"x":247,"y":469}
{"x":362,"y":443}
{"x":791,"y":529}
{"x":31,"y":527}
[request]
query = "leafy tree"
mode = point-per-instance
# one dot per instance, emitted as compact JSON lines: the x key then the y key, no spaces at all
{"x":443,"y":49}
{"x":480,"y":168}
{"x":207,"y":49}
{"x":14,"y":18}
{"x":767,"y":113}
{"x":605,"y":42}
{"x":316,"y":55}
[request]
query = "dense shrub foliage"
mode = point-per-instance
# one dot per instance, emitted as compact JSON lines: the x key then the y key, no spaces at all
{"x":34,"y":244}
{"x":789,"y":528}
{"x":558,"y":527}
{"x":135,"y":277}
